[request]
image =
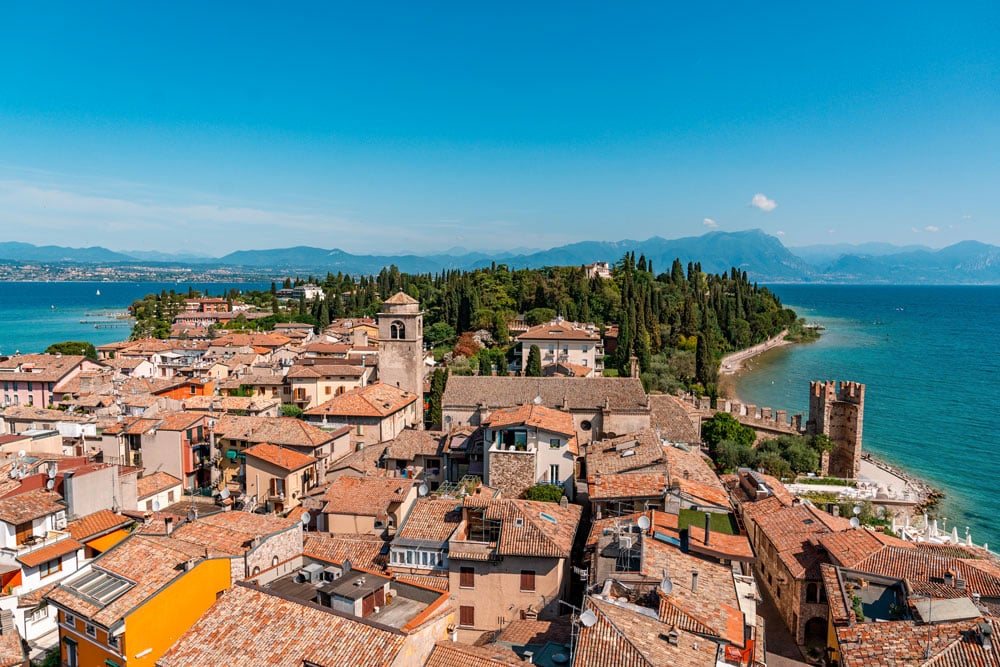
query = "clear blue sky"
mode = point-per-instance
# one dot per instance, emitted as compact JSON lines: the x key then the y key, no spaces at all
{"x":417,"y":126}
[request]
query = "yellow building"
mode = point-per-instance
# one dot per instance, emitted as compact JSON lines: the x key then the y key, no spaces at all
{"x":133,"y":602}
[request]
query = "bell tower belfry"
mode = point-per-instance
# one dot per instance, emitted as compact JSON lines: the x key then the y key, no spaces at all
{"x":401,"y":344}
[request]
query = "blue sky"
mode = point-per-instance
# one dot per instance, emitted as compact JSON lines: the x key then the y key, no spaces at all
{"x":415,"y":127}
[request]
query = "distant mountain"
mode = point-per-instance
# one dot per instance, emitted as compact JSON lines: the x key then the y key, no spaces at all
{"x":818,"y":255}
{"x":26,"y":252}
{"x":762,"y":256}
{"x":966,"y":262}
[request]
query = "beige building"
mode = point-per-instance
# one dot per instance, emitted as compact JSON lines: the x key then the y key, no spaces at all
{"x":601,"y":407}
{"x":401,"y":344}
{"x":367,"y":505}
{"x":278,"y":476}
{"x":564,"y":343}
{"x":528,"y":445}
{"x":510,"y":559}
{"x":375,"y":413}
{"x":315,"y":380}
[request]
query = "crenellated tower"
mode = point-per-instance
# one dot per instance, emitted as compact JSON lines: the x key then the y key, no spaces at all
{"x":837,"y":411}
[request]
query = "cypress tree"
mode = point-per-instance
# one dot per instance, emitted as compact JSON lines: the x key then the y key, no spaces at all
{"x":534,"y":367}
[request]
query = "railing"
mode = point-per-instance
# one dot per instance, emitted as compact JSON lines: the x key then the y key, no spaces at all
{"x":35,"y":542}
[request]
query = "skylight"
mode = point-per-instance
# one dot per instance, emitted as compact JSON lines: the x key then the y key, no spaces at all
{"x":547,"y":517}
{"x":100,"y":586}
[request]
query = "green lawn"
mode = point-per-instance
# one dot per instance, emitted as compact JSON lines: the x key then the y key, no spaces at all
{"x":721,"y":523}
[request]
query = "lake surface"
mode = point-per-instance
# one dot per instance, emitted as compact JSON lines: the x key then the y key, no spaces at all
{"x":33,"y":315}
{"x":929,"y":359}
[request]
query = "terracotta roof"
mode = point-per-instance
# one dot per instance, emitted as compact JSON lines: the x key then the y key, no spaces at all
{"x":248,"y":625}
{"x":12,"y":649}
{"x":364,"y":551}
{"x":671,"y":418}
{"x":537,"y":416}
{"x":31,"y":413}
{"x":154,"y":483}
{"x":40,"y":367}
{"x":924,"y":570}
{"x":96,"y":524}
{"x":712,"y":495}
{"x":410,"y":443}
{"x":151,"y":562}
{"x":563,"y":393}
{"x":30,"y":505}
{"x":688,"y":462}
{"x":905,"y":644}
{"x":557,"y":330}
{"x":625,"y":637}
{"x":49,"y":552}
{"x":789,"y":530}
{"x":546,"y":529}
{"x":606,"y":456}
{"x":425,"y":580}
{"x":850,"y":547}
{"x":230,"y":533}
{"x":431,"y":519}
{"x":839,"y":611}
{"x":365,"y":496}
{"x":522,"y":633}
{"x":287,"y":459}
{"x":453,"y":654}
{"x":375,"y":400}
{"x":627,"y":485}
{"x":284,"y":431}
{"x":131,"y":426}
{"x":401,"y":297}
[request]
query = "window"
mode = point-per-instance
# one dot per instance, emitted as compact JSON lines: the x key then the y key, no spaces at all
{"x":328,"y":390}
{"x":50,"y":567}
{"x":360,"y":430}
{"x":812,"y":592}
{"x":149,"y":505}
{"x":397,"y":330}
{"x":423,"y":558}
{"x":194,"y":390}
{"x":409,"y":558}
{"x":170,"y":496}
{"x":554,"y":473}
{"x":91,"y":630}
{"x":555,"y":443}
{"x":39,"y":614}
{"x":467,"y":616}
{"x":585,"y":425}
{"x":112,"y":641}
{"x":69,"y":620}
{"x":467,"y":577}
{"x":527,"y":580}
{"x":72,"y":657}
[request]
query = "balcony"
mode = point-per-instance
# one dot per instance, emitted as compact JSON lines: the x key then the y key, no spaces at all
{"x":34,"y":543}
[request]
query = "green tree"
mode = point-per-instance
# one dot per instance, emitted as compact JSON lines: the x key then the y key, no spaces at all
{"x":731,"y":455}
{"x":485,"y":363}
{"x":438,"y":333}
{"x":534,"y":368}
{"x":723,"y":426}
{"x":73,"y":347}
{"x":537,"y":316}
{"x":289,"y":410}
{"x":546,"y":493}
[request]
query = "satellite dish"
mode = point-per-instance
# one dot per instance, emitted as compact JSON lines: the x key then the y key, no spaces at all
{"x":224,"y":494}
{"x":50,"y":484}
{"x":22,"y":453}
{"x":422,"y":490}
{"x":667,"y":586}
{"x":538,"y":400}
{"x":13,"y":473}
{"x":156,"y":505}
{"x":53,"y":467}
{"x":855,"y":522}
{"x":644,"y":522}
{"x":306,"y":518}
{"x":588,"y":619}
{"x":856,"y":510}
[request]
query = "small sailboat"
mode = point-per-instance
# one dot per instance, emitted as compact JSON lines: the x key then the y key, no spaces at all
{"x":98,"y":292}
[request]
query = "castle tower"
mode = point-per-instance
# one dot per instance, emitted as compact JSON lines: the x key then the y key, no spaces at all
{"x":401,"y":344}
{"x":837,"y":411}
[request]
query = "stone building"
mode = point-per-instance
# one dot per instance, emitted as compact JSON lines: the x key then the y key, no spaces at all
{"x":401,"y":344}
{"x":837,"y":411}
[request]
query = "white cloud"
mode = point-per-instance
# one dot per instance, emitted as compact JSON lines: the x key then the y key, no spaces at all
{"x":763,"y":203}
{"x":710,"y":223}
{"x":931,"y":228}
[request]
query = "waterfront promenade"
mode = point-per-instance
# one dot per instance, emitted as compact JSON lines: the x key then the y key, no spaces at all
{"x":731,"y":363}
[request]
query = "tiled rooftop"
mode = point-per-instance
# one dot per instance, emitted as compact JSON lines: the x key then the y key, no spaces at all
{"x":151,"y":484}
{"x":562,"y":393}
{"x":431,"y":519}
{"x":30,"y":505}
{"x":452,"y":654}
{"x":282,"y":457}
{"x":285,"y":431}
{"x":411,"y":443}
{"x":545,"y":530}
{"x":365,"y":496}
{"x":905,"y":644}
{"x":96,"y":524}
{"x":364,"y":551}
{"x":375,"y":400}
{"x":248,"y":626}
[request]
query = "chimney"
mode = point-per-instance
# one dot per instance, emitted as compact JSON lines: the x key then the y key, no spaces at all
{"x":694,"y":581}
{"x":949,"y":578}
{"x":986,"y":635}
{"x":528,"y":656}
{"x":708,"y":527}
{"x":168,"y":522}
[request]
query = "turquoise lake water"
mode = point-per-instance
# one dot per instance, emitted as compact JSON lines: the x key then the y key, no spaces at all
{"x":929,"y":358}
{"x":33,"y":315}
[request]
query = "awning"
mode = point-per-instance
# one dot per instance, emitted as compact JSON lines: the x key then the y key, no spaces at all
{"x":231,"y":454}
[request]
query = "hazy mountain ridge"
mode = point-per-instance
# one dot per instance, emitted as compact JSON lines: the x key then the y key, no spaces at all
{"x":762,"y":256}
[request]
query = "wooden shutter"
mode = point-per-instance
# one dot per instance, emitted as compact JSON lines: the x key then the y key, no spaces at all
{"x":527,"y":580}
{"x":467,"y":577}
{"x":467,"y":616}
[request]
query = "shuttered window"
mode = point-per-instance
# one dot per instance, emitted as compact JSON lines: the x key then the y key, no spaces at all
{"x":467,"y":616}
{"x":467,"y":577}
{"x":527,"y":580}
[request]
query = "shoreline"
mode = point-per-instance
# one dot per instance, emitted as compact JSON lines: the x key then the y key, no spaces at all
{"x":735,"y":362}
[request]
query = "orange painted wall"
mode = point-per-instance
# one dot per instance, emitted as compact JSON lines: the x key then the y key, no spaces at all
{"x":105,"y":542}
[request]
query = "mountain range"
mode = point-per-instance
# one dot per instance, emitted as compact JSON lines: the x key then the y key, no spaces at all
{"x":763,"y":257}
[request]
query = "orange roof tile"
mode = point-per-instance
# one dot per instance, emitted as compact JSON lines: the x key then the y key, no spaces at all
{"x":375,"y":400}
{"x":49,"y":552}
{"x":96,"y":524}
{"x":288,"y":459}
{"x":149,"y":485}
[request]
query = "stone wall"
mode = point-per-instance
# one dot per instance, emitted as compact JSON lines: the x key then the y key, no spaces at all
{"x":837,"y":411}
{"x":512,"y":472}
